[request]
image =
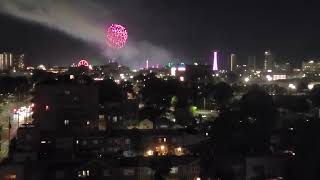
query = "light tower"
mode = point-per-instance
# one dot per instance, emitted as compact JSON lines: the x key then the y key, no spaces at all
{"x":268,"y":61}
{"x":233,"y":62}
{"x":215,"y":61}
{"x":147,"y":64}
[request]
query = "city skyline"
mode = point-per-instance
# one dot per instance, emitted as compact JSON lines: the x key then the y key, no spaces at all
{"x":289,"y":31}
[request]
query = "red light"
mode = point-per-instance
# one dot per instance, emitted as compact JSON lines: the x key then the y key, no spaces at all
{"x":83,"y":63}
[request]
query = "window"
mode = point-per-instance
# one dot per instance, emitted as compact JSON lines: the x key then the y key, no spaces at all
{"x":95,"y":141}
{"x":83,"y":173}
{"x":66,"y":122}
{"x":127,"y":141}
{"x":10,"y":177}
{"x":76,"y":99}
{"x":128,"y":172}
{"x":115,"y":119}
{"x":84,"y":142}
{"x":67,"y":92}
{"x":174,"y":170}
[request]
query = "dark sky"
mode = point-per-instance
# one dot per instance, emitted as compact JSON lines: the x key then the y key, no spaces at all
{"x":189,"y":29}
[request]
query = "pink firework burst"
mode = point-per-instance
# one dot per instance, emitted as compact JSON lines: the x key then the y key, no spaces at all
{"x":116,"y":36}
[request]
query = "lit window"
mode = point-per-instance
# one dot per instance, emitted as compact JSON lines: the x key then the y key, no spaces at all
{"x":179,"y":149}
{"x":128,"y":172}
{"x":43,"y":142}
{"x":84,"y":142}
{"x":83,"y":173}
{"x":95,"y":141}
{"x":149,"y":152}
{"x":174,"y":170}
{"x":67,"y":92}
{"x":66,"y":122}
{"x":77,"y":141}
{"x":10,"y":177}
{"x":47,"y":107}
{"x":164,"y":139}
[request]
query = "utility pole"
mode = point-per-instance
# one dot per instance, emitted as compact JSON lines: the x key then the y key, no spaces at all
{"x":9,"y":126}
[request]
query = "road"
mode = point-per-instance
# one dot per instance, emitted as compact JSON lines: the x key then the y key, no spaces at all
{"x":11,"y":111}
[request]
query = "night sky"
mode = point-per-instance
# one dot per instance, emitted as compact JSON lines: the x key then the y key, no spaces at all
{"x":189,"y":30}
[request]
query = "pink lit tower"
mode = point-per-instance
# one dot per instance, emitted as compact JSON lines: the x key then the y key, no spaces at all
{"x":215,"y":61}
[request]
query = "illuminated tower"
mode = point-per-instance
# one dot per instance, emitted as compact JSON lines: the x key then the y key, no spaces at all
{"x":268,"y":61}
{"x":252,"y":62}
{"x":233,"y":62}
{"x":215,"y":61}
{"x":147,"y":64}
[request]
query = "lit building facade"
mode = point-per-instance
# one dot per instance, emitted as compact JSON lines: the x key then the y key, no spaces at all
{"x":65,"y":105}
{"x":5,"y":61}
{"x":9,"y":61}
{"x":268,"y":61}
{"x":233,"y":62}
{"x":311,"y":66}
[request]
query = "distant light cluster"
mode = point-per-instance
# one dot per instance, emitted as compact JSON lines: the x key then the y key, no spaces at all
{"x":116,"y":36}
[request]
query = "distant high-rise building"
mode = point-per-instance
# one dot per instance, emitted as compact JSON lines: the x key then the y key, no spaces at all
{"x":5,"y":61}
{"x":252,"y":62}
{"x":9,"y":61}
{"x":233,"y":62}
{"x":18,"y":62}
{"x":215,"y":61}
{"x":268,"y":61}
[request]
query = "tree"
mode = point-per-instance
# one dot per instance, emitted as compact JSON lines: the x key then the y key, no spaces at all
{"x":258,"y":112}
{"x":222,"y":94}
{"x":161,"y":166}
{"x":109,"y":91}
{"x":315,"y":95}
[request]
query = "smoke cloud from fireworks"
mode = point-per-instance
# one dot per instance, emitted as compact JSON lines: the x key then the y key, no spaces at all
{"x":85,"y":20}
